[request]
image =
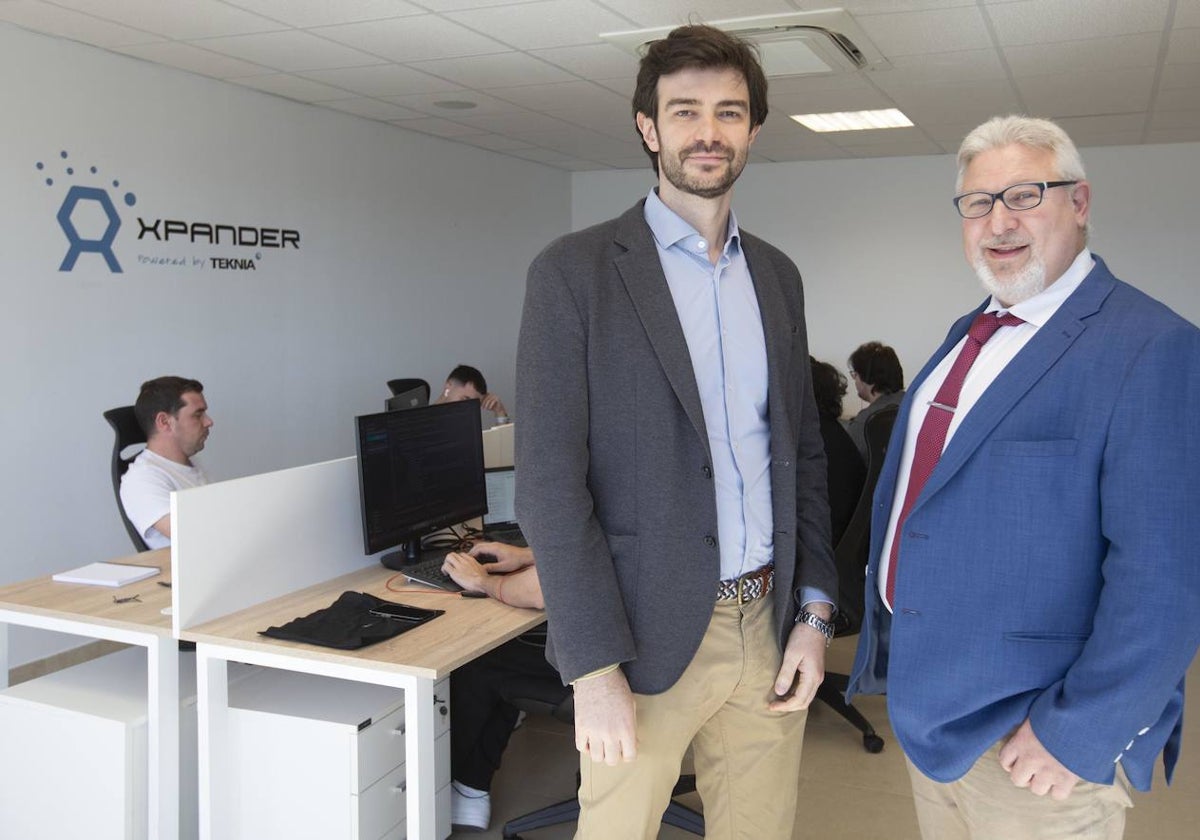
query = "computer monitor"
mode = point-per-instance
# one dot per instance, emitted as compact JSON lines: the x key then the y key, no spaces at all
{"x":412,"y":398}
{"x":418,"y":471}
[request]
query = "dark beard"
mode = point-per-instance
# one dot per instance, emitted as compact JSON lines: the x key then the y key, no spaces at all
{"x":676,"y":176}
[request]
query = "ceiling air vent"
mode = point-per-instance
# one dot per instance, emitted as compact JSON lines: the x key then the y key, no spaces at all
{"x":797,"y":44}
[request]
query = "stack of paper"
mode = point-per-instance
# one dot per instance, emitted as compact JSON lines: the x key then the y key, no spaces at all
{"x":106,"y":574}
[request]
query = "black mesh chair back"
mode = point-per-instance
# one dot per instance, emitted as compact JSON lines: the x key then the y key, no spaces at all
{"x":126,"y":433}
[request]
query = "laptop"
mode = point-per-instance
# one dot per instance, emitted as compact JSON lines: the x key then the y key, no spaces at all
{"x":500,"y":522}
{"x":412,"y":398}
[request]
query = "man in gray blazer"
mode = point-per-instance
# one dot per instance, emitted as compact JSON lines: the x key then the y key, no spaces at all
{"x":672,"y":475}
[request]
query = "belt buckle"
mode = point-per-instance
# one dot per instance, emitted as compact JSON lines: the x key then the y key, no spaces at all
{"x":741,"y":587}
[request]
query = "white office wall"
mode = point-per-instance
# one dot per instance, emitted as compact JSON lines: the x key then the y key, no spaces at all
{"x":412,"y":259}
{"x":878,"y":242}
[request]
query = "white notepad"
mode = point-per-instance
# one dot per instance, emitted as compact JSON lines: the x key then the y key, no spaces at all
{"x":106,"y":574}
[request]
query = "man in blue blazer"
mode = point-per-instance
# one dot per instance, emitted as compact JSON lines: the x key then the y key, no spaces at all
{"x":1033,"y":593}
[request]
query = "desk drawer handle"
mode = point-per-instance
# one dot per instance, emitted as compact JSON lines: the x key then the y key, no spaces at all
{"x":400,"y":788}
{"x":399,"y":730}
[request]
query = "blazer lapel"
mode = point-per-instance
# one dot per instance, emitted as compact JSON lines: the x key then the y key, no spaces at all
{"x":1020,"y":375}
{"x":885,"y":486}
{"x":641,"y":271}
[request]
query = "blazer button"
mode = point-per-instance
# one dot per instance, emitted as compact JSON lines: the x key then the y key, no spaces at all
{"x":707,"y":470}
{"x":709,"y":541}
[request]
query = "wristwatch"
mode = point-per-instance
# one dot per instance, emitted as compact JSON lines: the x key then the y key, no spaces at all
{"x":825,"y":628}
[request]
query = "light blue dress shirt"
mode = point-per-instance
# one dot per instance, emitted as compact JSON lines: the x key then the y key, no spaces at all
{"x":718,"y":311}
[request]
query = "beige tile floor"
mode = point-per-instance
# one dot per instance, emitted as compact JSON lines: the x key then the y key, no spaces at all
{"x":854,"y":795}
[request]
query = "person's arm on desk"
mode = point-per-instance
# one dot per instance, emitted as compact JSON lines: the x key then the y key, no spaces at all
{"x":521,"y":588}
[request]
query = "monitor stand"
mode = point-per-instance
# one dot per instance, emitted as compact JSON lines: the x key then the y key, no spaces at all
{"x":409,"y":555}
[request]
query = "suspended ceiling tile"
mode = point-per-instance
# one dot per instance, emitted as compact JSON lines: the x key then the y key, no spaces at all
{"x":410,"y":39}
{"x":289,"y":51}
{"x":382,"y":80}
{"x":1051,"y":21}
{"x":308,"y":13}
{"x":193,"y":59}
{"x":177,"y":20}
{"x":490,"y":71}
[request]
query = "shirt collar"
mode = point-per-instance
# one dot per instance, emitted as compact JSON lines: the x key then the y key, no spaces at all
{"x":669,"y":228}
{"x":1038,"y":309}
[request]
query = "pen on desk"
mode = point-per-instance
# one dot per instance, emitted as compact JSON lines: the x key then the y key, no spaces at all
{"x":165,"y":583}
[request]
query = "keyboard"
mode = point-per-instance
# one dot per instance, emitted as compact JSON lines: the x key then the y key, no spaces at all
{"x":429,"y":570}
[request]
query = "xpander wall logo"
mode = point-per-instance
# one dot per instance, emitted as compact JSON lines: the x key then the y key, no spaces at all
{"x":101,"y":244}
{"x":89,"y":219}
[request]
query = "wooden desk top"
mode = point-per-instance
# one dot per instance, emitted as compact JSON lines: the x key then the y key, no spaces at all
{"x":94,"y":604}
{"x":469,"y":627}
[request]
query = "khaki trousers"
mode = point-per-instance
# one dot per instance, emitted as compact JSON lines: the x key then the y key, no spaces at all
{"x":985,"y":805}
{"x":747,"y":758}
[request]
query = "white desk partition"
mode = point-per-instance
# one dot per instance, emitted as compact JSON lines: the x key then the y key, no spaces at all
{"x":242,"y":542}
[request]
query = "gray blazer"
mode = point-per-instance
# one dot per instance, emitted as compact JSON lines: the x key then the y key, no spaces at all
{"x":615,"y":487}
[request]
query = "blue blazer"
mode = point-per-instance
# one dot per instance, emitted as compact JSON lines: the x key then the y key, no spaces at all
{"x":1050,"y":569}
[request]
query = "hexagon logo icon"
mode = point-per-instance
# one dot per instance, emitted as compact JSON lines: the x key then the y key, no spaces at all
{"x":78,"y":244}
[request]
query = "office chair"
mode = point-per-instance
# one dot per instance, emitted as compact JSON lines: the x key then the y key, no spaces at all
{"x":400,"y":386}
{"x":127,"y":433}
{"x":552,"y":698}
{"x":850,"y":556}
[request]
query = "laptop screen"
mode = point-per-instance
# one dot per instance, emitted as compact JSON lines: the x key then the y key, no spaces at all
{"x":501,"y":484}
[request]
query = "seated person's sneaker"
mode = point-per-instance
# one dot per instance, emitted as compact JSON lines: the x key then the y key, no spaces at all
{"x":470,"y":809}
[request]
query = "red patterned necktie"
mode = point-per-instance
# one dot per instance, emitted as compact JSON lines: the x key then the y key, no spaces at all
{"x":932,"y":437}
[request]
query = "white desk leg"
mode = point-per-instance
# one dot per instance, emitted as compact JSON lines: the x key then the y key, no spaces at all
{"x":3,"y":655}
{"x":162,"y":661}
{"x":419,"y":756}
{"x":212,"y":736}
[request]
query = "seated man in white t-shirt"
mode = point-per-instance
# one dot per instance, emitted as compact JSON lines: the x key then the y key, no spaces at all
{"x":172,"y":412}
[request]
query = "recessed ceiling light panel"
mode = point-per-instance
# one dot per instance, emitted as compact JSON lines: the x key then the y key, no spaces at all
{"x":853,"y":120}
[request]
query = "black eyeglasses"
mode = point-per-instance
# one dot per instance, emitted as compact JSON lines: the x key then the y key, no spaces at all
{"x":976,"y":205}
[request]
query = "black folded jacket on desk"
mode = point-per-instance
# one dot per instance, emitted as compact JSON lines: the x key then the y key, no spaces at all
{"x":354,"y":620}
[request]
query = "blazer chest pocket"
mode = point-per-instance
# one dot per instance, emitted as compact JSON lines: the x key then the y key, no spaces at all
{"x":1057,"y":448}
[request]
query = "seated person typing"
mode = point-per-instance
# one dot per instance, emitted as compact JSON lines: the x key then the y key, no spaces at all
{"x":481,"y":690}
{"x":467,"y":383}
{"x":172,"y":412}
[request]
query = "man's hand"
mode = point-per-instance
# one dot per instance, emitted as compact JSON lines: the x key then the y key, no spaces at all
{"x":1031,"y":765}
{"x":509,"y":558}
{"x":605,"y":720}
{"x":466,"y":571}
{"x":492,"y":403}
{"x":802,"y":670}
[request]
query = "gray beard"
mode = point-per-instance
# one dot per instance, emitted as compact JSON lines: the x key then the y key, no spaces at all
{"x":1023,"y":285}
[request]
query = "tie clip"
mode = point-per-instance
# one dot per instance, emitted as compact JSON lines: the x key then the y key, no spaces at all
{"x":942,"y":406}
